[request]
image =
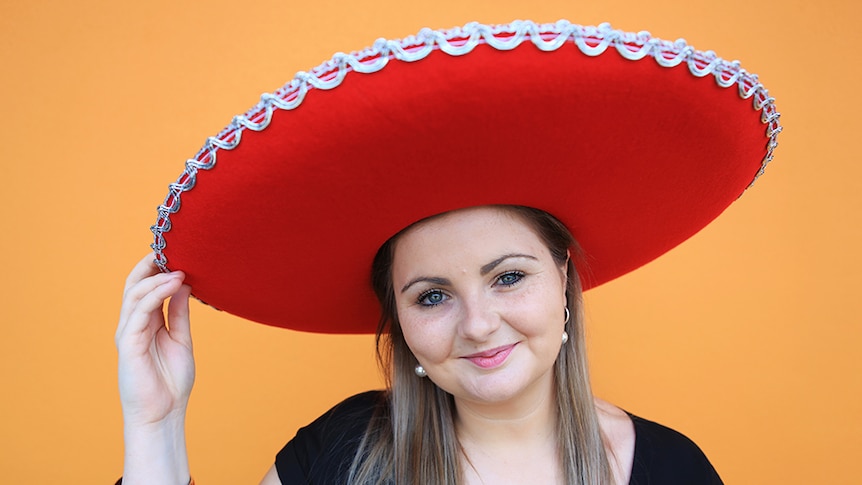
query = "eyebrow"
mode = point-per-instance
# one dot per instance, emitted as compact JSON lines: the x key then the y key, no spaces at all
{"x":493,"y":264}
{"x":429,"y":279}
{"x":484,"y":270}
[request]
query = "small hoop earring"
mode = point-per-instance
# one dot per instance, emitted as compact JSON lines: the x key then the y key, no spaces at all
{"x":420,"y":371}
{"x":568,"y":315}
{"x":565,"y":337}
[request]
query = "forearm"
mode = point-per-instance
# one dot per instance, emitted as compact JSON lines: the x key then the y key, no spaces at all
{"x":156,"y":453}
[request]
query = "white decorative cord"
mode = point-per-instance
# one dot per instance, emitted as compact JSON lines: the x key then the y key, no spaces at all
{"x":592,"y":41}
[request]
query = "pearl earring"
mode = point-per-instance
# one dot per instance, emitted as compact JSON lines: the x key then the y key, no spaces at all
{"x":565,"y":337}
{"x":568,"y":315}
{"x":420,"y":371}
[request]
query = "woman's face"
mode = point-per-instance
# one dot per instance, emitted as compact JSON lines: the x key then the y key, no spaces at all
{"x":481,"y":304}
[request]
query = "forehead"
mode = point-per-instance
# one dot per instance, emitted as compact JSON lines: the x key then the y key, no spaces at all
{"x":465,"y":236}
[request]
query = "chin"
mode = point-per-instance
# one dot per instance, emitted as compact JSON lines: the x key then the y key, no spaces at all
{"x":502,"y":388}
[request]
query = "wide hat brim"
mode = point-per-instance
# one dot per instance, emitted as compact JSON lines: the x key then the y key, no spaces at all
{"x":633,"y":142}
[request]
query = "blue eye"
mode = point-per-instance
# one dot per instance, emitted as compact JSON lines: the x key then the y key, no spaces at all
{"x":510,"y":278}
{"x":431,"y":298}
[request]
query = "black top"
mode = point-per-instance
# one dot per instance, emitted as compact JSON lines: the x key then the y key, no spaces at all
{"x":321,"y":453}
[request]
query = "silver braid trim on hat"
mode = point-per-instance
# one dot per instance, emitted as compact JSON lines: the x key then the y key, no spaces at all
{"x":592,"y":41}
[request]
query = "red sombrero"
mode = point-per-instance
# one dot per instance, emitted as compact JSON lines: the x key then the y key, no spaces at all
{"x":633,"y":142}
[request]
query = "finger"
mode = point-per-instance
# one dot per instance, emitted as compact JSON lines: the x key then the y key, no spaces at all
{"x":144,"y":304}
{"x":144,"y":268}
{"x":178,"y":316}
{"x":134,"y":294}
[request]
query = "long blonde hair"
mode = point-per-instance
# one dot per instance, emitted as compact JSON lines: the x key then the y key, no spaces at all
{"x":413,"y":439}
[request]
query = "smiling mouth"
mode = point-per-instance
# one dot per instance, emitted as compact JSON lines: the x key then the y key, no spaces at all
{"x":491,"y":358}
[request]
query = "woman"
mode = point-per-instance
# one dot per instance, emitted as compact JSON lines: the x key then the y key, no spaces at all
{"x":480,"y":301}
{"x":481,"y":330}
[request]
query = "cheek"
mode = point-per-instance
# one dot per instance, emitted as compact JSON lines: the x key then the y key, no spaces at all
{"x":540,"y":323}
{"x":536,"y":311}
{"x":430,"y":340}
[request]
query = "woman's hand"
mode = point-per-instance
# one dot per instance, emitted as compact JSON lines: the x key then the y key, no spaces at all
{"x":156,"y":374}
{"x":156,"y":365}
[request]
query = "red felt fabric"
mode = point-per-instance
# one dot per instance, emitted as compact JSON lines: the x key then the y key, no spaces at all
{"x":633,"y":157}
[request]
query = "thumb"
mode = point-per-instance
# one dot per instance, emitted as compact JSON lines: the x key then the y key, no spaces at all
{"x":178,"y":316}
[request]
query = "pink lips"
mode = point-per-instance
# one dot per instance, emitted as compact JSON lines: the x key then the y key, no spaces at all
{"x":491,"y":358}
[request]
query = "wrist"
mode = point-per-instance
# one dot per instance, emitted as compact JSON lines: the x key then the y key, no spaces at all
{"x":120,"y":481}
{"x":156,"y":452}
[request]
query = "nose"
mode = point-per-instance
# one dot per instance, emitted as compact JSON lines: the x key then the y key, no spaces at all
{"x":479,"y":320}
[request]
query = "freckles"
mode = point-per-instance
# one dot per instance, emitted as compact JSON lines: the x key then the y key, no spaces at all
{"x":533,"y":311}
{"x":428,"y":341}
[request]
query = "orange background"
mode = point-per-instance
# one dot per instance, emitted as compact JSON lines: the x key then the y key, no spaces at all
{"x":745,"y":337}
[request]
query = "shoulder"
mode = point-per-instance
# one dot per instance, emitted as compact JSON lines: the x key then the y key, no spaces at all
{"x":665,"y":456}
{"x":323,"y":450}
{"x":357,"y":407}
{"x":344,"y":421}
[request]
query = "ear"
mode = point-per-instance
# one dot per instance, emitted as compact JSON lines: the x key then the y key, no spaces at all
{"x":564,"y":276}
